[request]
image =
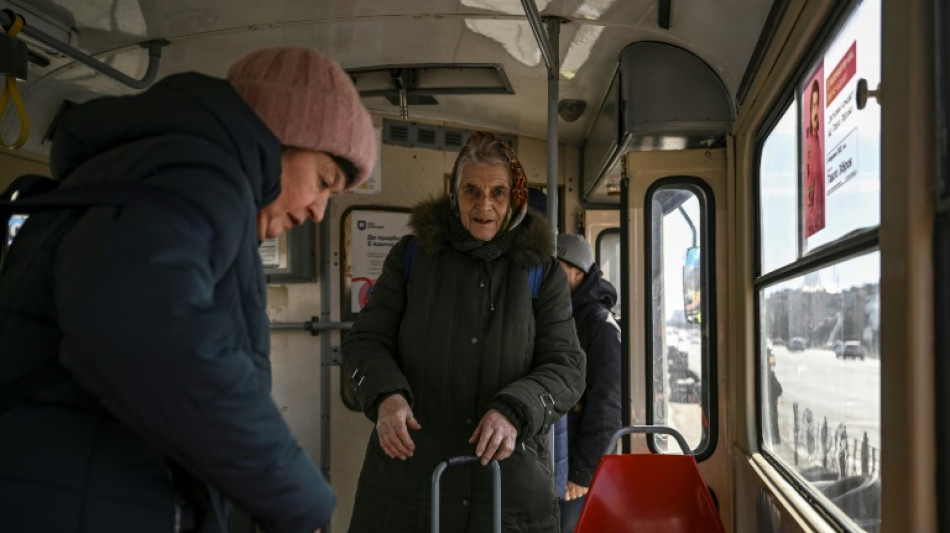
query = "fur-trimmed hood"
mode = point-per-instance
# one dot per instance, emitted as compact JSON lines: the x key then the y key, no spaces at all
{"x":437,"y":227}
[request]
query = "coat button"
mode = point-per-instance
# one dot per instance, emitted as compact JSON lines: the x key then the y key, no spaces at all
{"x":468,"y":421}
{"x":474,"y":340}
{"x":464,"y":503}
{"x":481,"y":285}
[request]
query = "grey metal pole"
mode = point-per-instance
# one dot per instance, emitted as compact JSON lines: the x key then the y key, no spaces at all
{"x":554,"y":32}
{"x":326,"y":355}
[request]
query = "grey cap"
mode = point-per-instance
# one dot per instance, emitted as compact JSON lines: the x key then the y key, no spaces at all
{"x":575,"y":250}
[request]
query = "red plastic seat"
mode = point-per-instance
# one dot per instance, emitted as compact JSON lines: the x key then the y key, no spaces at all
{"x":646,"y":493}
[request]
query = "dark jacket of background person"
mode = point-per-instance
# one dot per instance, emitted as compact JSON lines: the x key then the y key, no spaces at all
{"x":597,"y":417}
{"x":464,"y":336}
{"x":160,"y":327}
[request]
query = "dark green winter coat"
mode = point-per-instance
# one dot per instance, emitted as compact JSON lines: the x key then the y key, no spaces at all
{"x":147,"y":332}
{"x":468,"y":338}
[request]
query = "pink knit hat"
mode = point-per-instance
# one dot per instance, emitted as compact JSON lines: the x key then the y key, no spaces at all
{"x":309,"y":102}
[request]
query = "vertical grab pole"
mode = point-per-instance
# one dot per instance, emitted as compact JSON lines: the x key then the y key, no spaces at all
{"x":554,"y":32}
{"x":550,"y":52}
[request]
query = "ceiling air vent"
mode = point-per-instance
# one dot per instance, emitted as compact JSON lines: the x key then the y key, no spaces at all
{"x":415,"y":135}
{"x":397,"y":133}
{"x":427,"y":136}
{"x":454,"y":138}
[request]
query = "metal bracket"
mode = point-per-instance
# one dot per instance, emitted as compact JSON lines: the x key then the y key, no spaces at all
{"x":154,"y":53}
{"x":862,"y":93}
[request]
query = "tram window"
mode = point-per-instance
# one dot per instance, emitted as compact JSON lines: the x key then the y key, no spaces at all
{"x":678,"y":317}
{"x":777,"y":195}
{"x":818,"y":330}
{"x":821,"y":382}
{"x":608,"y":257}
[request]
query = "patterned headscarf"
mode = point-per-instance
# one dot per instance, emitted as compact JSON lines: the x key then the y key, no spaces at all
{"x":486,"y":148}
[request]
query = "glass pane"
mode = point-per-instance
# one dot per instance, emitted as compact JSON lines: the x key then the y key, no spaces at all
{"x":778,"y":195}
{"x":608,"y":257}
{"x":820,"y":382}
{"x":841,"y":159}
{"x":679,"y":370}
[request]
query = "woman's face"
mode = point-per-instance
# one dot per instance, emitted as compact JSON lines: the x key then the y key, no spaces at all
{"x":814,"y":112}
{"x":483,"y":197}
{"x":307,"y":179}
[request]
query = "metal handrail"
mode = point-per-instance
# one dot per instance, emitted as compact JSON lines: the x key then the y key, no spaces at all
{"x":314,"y":326}
{"x":154,"y":53}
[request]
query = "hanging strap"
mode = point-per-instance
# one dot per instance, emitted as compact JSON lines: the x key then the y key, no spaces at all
{"x":11,"y":92}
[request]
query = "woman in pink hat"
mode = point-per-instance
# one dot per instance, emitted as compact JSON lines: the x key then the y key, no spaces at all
{"x":134,"y":375}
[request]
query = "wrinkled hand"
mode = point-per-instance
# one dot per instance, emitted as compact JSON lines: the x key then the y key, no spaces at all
{"x":495,"y":436}
{"x":394,"y":419}
{"x":574,"y":491}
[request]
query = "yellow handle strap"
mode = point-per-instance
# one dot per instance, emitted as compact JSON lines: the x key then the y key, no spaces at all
{"x":11,"y":92}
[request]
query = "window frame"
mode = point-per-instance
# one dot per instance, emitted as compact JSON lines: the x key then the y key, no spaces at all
{"x":858,"y":242}
{"x":708,"y":328}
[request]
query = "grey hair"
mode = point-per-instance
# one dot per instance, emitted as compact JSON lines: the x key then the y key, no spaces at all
{"x":482,"y":148}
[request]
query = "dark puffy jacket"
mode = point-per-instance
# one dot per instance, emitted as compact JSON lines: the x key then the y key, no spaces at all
{"x":151,"y":331}
{"x":467,"y":338}
{"x":597,"y":415}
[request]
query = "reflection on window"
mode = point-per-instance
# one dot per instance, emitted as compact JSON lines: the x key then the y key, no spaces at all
{"x":608,"y":257}
{"x":681,"y":379}
{"x":778,"y":199}
{"x":821,"y":393}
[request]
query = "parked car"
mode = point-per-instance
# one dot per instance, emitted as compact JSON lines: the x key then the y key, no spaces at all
{"x":796,"y":344}
{"x":849,"y":350}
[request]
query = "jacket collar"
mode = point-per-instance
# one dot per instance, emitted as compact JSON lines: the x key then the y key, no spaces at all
{"x":529,"y":244}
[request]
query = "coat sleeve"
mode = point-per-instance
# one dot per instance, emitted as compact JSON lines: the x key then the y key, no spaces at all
{"x":370,"y":347}
{"x":145,"y":329}
{"x":601,"y":415}
{"x":556,"y":377}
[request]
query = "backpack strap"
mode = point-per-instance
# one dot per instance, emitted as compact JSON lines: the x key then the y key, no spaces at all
{"x":535,"y":275}
{"x":534,"y":279}
{"x":111,"y":193}
{"x":412,"y":247}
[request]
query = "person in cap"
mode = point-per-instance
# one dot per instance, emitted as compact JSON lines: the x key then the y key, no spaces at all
{"x":595,"y":418}
{"x":454,"y":355}
{"x":135,"y":337}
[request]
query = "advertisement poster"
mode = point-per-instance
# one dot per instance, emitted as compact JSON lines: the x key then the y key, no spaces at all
{"x":372,"y":233}
{"x":845,"y":195}
{"x":842,"y":143}
{"x":813,"y":156}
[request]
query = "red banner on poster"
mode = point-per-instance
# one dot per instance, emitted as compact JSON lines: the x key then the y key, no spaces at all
{"x":842,"y":73}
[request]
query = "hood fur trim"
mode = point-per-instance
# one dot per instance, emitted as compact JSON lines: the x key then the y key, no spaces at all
{"x":529,"y":244}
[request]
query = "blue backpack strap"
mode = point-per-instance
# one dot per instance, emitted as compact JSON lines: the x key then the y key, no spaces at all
{"x":412,"y":247}
{"x":535,"y":275}
{"x":534,"y":279}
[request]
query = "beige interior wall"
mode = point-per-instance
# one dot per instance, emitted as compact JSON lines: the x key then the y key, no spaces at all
{"x":15,"y":163}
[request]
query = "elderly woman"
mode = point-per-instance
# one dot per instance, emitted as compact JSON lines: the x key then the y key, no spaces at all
{"x":454,"y":355}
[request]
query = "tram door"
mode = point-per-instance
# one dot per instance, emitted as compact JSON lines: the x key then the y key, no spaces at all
{"x":676,"y":209}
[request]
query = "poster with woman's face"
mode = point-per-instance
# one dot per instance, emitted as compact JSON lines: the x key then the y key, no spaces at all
{"x":813,"y":151}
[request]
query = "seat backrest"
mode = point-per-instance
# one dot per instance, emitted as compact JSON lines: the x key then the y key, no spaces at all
{"x":648,"y":493}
